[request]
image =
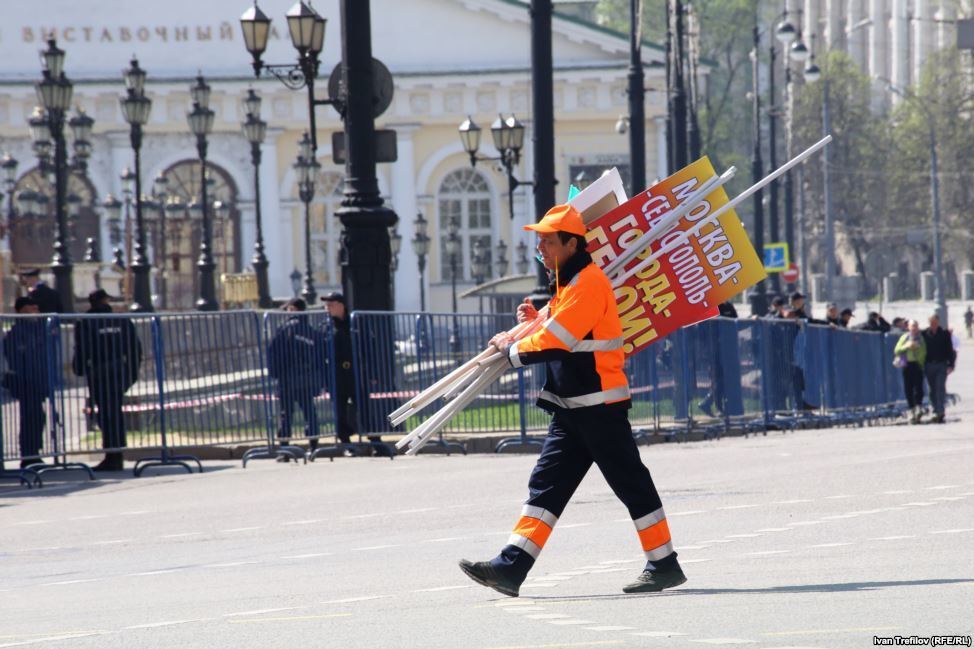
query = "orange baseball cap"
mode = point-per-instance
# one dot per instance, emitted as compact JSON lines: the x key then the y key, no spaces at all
{"x":560,"y":218}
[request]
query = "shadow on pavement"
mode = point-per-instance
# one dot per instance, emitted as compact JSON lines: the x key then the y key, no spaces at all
{"x":63,"y":483}
{"x":799,"y":588}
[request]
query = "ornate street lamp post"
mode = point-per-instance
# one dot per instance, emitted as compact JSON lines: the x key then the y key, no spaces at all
{"x":307,"y":168}
{"x":395,"y":245}
{"x":136,"y":107}
{"x":508,"y":136}
{"x":453,"y":250}
{"x":522,"y":258}
{"x":421,"y":246}
{"x":255,"y":129}
{"x":54,"y":92}
{"x":201,"y":124}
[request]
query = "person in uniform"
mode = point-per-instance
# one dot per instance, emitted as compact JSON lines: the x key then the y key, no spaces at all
{"x":46,"y":298}
{"x":108,"y":353}
{"x":296,"y":360}
{"x":587,"y":394}
{"x":344,"y":390}
{"x":27,"y":377}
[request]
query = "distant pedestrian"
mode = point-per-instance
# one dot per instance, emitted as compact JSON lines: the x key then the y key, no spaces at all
{"x":845,"y":317}
{"x":899,"y":325}
{"x":910,"y":356}
{"x":26,"y":378}
{"x":727,"y":310}
{"x":797,"y":303}
{"x":832,"y":315}
{"x":940,"y":360}
{"x":344,"y":389}
{"x":969,"y":320}
{"x":876,"y":323}
{"x":776,"y":310}
{"x":46,"y":298}
{"x":297,"y":359}
{"x":108,"y":353}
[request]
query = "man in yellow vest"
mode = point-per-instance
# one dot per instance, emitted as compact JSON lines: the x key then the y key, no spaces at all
{"x":587,"y":394}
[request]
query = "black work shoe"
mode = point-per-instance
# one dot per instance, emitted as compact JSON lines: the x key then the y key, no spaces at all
{"x":486,"y":575}
{"x":653,"y":581}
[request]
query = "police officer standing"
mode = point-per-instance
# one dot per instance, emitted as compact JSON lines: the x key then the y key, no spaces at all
{"x":296,"y":358}
{"x":46,"y":298}
{"x":108,"y":353}
{"x":344,"y":389}
{"x":587,"y":394}
{"x":26,"y":378}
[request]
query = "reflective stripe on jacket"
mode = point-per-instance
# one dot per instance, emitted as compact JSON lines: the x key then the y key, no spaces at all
{"x":581,"y":342}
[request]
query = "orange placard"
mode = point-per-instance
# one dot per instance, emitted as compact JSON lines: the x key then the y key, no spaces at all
{"x":685,"y":285}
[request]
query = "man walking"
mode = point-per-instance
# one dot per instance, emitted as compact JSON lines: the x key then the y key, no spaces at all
{"x":940,"y":360}
{"x":297,"y":359}
{"x":108,"y":353}
{"x":969,"y":321}
{"x":587,"y":394}
{"x":344,"y":389}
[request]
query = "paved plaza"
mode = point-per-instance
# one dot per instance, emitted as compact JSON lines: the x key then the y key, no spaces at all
{"x":819,"y":538}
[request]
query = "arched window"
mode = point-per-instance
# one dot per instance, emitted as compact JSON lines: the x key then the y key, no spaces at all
{"x":325,"y":230}
{"x":465,"y":196}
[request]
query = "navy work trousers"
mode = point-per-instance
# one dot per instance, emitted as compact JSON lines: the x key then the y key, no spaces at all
{"x":577,"y":439}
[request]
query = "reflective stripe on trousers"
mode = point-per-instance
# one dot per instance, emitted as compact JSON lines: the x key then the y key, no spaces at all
{"x":654,"y":535}
{"x":587,"y":400}
{"x":532,"y":530}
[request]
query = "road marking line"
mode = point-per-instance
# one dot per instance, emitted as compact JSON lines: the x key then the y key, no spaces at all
{"x":563,"y":645}
{"x":766,"y":552}
{"x":417,"y":511}
{"x":892,"y":538}
{"x":557,"y":577}
{"x":838,"y":517}
{"x":137,"y":512}
{"x":743,"y":536}
{"x":692,"y":512}
{"x":234,"y":530}
{"x":623,"y":561}
{"x":263,"y":610}
{"x":792,"y":502}
{"x":658,"y":634}
{"x":180,"y":535}
{"x":565,"y":527}
{"x":524,"y":606}
{"x":547,"y":616}
{"x":375,"y":547}
{"x":445,"y":539}
{"x":310,"y":521}
{"x":112,"y":542}
{"x":898,"y":492}
{"x":722,"y":641}
{"x":353,"y":600}
{"x":540,"y":585}
{"x":804,"y":523}
{"x":839,"y":497}
{"x":943,"y":486}
{"x":609,"y":628}
{"x":89,"y":517}
{"x":828,"y":631}
{"x":602,"y":571}
{"x":956,"y":531}
{"x":777,"y":529}
{"x":149,"y":573}
{"x":440,"y":589}
{"x":70,"y":636}
{"x":231,"y":564}
{"x":570,"y":622}
{"x":829,"y":545}
{"x":70,"y":581}
{"x":919,"y":504}
{"x":31,"y":523}
{"x":694,"y":547}
{"x":358,"y":516}
{"x":694,"y":560}
{"x":310,"y":555}
{"x":738,"y":507}
{"x":155,"y":625}
{"x":712,"y":541}
{"x":297,"y":618}
{"x":950,"y":498}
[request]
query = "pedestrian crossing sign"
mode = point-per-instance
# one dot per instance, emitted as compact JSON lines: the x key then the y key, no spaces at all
{"x":776,"y":257}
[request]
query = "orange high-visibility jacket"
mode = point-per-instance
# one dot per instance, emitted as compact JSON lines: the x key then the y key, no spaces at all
{"x":581,"y":342}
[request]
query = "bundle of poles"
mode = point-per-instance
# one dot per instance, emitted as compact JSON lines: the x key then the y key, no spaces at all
{"x":466,"y":383}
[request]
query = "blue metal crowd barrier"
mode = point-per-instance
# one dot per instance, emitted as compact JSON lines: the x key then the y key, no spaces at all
{"x":85,"y":384}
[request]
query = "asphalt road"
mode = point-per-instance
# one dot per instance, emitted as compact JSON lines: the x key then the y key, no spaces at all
{"x":809,"y":539}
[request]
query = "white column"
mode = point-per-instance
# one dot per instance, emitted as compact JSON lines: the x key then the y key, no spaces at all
{"x":121,"y":156}
{"x":811,"y":26}
{"x":856,"y":36}
{"x":900,"y":47}
{"x":403,"y":189}
{"x":659,"y":122}
{"x":946,"y":28}
{"x":276,"y":222}
{"x":922,"y":35}
{"x":834,"y":35}
{"x":878,"y":40}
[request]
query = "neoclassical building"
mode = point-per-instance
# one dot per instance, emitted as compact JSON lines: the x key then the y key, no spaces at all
{"x":449,"y":58}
